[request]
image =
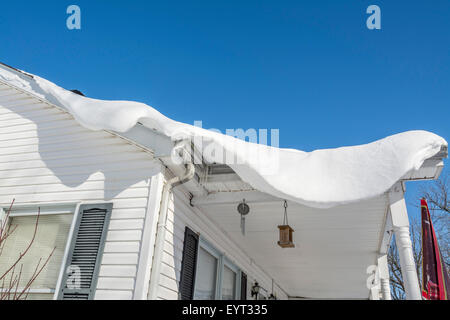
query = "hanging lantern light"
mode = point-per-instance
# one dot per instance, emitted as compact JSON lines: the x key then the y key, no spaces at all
{"x":255,"y":290}
{"x":243,"y":210}
{"x":286,"y":239}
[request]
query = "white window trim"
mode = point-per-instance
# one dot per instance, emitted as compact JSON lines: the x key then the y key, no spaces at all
{"x":2,"y":215}
{"x":66,"y":251}
{"x":42,"y":290}
{"x":238,"y":272}
{"x":47,"y":209}
{"x":222,"y":260}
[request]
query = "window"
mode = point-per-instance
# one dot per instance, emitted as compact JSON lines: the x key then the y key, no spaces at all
{"x":56,"y":222}
{"x":207,"y":264}
{"x":52,"y":232}
{"x":216,"y":277}
{"x":206,"y":274}
{"x":228,"y":284}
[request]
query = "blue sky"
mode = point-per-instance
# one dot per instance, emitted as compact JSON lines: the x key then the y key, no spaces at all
{"x":309,"y":68}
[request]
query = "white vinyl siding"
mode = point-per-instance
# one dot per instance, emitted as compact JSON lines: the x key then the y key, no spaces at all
{"x":47,"y":157}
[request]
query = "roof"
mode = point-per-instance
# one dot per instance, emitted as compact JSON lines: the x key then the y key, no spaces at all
{"x":322,"y":178}
{"x":334,"y":245}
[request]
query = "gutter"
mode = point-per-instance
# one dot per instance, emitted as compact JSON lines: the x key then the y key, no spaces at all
{"x":162,"y":223}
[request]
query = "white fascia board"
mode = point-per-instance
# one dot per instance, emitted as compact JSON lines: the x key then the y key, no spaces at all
{"x":18,"y":72}
{"x":160,"y":145}
{"x":431,"y":168}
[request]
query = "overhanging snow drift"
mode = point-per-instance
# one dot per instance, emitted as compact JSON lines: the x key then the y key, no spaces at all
{"x":322,"y":178}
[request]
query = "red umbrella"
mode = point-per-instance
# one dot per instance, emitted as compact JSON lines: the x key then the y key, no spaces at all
{"x":435,"y":282}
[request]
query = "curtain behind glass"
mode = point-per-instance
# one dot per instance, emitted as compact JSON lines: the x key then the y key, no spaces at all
{"x":52,"y":232}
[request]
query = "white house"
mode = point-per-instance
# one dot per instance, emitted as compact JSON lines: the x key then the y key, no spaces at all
{"x":137,"y":224}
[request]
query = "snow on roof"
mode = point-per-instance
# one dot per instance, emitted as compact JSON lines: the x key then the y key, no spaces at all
{"x":321,"y":178}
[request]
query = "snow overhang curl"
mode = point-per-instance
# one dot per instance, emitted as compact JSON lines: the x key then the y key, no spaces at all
{"x":321,"y":178}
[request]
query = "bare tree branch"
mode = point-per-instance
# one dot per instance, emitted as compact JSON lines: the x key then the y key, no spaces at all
{"x":437,"y":195}
{"x":10,"y":289}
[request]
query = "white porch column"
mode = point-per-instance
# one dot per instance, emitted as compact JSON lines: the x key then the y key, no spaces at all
{"x":384,"y":277}
{"x":400,"y":223}
{"x":374,"y":293}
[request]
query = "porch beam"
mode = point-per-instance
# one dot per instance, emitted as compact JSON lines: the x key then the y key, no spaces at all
{"x":233,"y":197}
{"x":400,"y":224}
{"x":223,"y":177}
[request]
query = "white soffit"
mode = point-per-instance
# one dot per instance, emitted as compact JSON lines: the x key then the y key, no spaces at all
{"x":333,"y":247}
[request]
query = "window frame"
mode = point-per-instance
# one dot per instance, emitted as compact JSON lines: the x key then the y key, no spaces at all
{"x":222,"y":261}
{"x":203,"y":244}
{"x":58,"y":208}
{"x":237,"y":281}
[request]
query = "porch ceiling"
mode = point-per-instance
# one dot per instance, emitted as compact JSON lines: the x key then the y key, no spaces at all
{"x":333,"y":247}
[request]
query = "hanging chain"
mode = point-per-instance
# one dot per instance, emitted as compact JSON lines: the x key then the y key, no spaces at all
{"x":285,"y":219}
{"x":243,"y":210}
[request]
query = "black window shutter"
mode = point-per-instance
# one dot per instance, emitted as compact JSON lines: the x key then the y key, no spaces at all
{"x":189,"y":264}
{"x":243,"y":286}
{"x":85,"y":253}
